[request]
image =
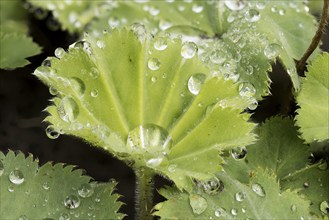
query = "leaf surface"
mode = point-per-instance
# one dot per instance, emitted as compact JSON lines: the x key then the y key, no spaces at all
{"x":52,"y":191}
{"x":313,"y":99}
{"x":156,"y":106}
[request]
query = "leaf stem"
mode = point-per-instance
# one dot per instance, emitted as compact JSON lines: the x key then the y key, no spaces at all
{"x":300,"y":65}
{"x":143,"y":193}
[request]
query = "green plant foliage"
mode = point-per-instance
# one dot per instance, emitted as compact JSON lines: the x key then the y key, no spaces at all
{"x":13,"y":34}
{"x":52,"y":191}
{"x":73,"y":15}
{"x":261,"y":198}
{"x":313,"y":115}
{"x":163,"y":110}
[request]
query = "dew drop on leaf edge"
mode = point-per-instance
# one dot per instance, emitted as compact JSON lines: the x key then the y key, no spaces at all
{"x":51,"y":132}
{"x":258,"y":189}
{"x":85,"y":190}
{"x":2,"y":169}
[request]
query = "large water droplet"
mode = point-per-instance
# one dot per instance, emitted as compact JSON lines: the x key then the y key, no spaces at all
{"x":2,"y":169}
{"x":240,"y":196}
{"x":258,"y":189}
{"x":64,"y":216}
{"x":252,"y":15}
{"x":85,"y":190}
{"x":59,"y":52}
{"x":246,"y":89}
{"x":160,"y":43}
{"x":51,"y":132}
{"x":68,"y":109}
{"x":154,"y":162}
{"x":217,"y":57}
{"x":235,"y":5}
{"x":324,"y":207}
{"x":78,"y":85}
{"x":140,"y":31}
{"x":16,"y":177}
{"x":71,"y":202}
{"x":239,"y":152}
{"x":189,"y":49}
{"x":195,"y":83}
{"x":273,"y":50}
{"x":198,"y":203}
{"x":153,"y":64}
{"x":212,"y":186}
{"x":43,"y":70}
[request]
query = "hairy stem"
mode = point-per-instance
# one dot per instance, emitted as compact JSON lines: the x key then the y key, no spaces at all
{"x":144,"y":193}
{"x":300,"y":65}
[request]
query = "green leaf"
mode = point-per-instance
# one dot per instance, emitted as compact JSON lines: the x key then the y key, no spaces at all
{"x":52,"y":191}
{"x":163,"y":106}
{"x":313,"y":99}
{"x":261,"y":198}
{"x":11,"y":58}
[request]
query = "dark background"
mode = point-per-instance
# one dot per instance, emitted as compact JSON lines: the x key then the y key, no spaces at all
{"x":23,"y":97}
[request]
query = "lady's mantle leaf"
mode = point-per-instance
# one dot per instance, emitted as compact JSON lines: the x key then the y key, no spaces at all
{"x":260,"y":198}
{"x":52,"y":191}
{"x":313,"y":99}
{"x":146,"y":100}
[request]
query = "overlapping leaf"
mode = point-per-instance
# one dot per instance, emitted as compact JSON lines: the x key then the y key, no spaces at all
{"x":146,"y":100}
{"x":52,"y":191}
{"x":313,"y":115}
{"x":13,"y":34}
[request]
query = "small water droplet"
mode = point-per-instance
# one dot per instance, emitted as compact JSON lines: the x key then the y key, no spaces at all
{"x":260,"y":5}
{"x":43,"y":70}
{"x":250,"y":70}
{"x":71,"y":202}
{"x":293,"y":208}
{"x":97,"y":199}
{"x":252,"y":15}
{"x":253,"y":104}
{"x":258,"y":189}
{"x":94,"y":93}
{"x":239,"y":152}
{"x":53,"y":90}
{"x":240,"y":196}
{"x":59,"y":52}
{"x":189,"y":49}
{"x":160,"y":43}
{"x":51,"y":132}
{"x":64,"y":216}
{"x":101,"y":44}
{"x":11,"y":188}
{"x":140,"y":31}
{"x":212,"y":186}
{"x":16,"y":177}
{"x":22,"y":217}
{"x":164,"y":24}
{"x":154,"y":162}
{"x":282,"y":12}
{"x":324,"y":207}
{"x":234,"y":211}
{"x":85,"y":190}
{"x":198,"y":203}
{"x":306,"y":185}
{"x":68,"y":109}
{"x":273,"y":50}
{"x":78,"y":85}
{"x":172,"y":168}
{"x":195,"y":83}
{"x":46,"y":62}
{"x":235,"y":5}
{"x":323,"y":164}
{"x":197,"y":8}
{"x":243,"y":210}
{"x":113,"y":22}
{"x":153,"y":64}
{"x":2,"y":169}
{"x":46,"y":186}
{"x":217,"y":57}
{"x":94,"y":73}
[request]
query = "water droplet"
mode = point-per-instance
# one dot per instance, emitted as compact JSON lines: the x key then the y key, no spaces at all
{"x":324,"y":207}
{"x":195,"y":83}
{"x":53,"y":90}
{"x":51,"y":132}
{"x":271,"y":51}
{"x":293,"y":208}
{"x":85,"y":190}
{"x":240,"y":196}
{"x":323,"y":165}
{"x":239,"y":152}
{"x":258,"y":189}
{"x":94,"y":73}
{"x":113,"y":22}
{"x":94,"y":93}
{"x":172,"y":168}
{"x":16,"y":177}
{"x":59,"y":52}
{"x":64,"y":216}
{"x":160,"y":43}
{"x":46,"y":62}
{"x":2,"y":169}
{"x":253,"y":104}
{"x":217,"y":57}
{"x":189,"y":49}
{"x":11,"y":188}
{"x":250,"y":70}
{"x":153,"y":64}
{"x":22,"y":217}
{"x":234,"y":211}
{"x":78,"y":85}
{"x":42,"y":70}
{"x":260,"y":5}
{"x":45,"y":186}
{"x":101,"y":44}
{"x":197,"y":8}
{"x":306,"y":185}
{"x":97,"y":199}
{"x":71,"y":202}
{"x":154,"y":162}
{"x":235,"y":5}
{"x":252,"y":15}
{"x":68,"y":109}
{"x":282,"y":12}
{"x":140,"y":31}
{"x":164,"y":24}
{"x":246,"y":89}
{"x":198,"y":203}
{"x":243,"y":210}
{"x":212,"y":186}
